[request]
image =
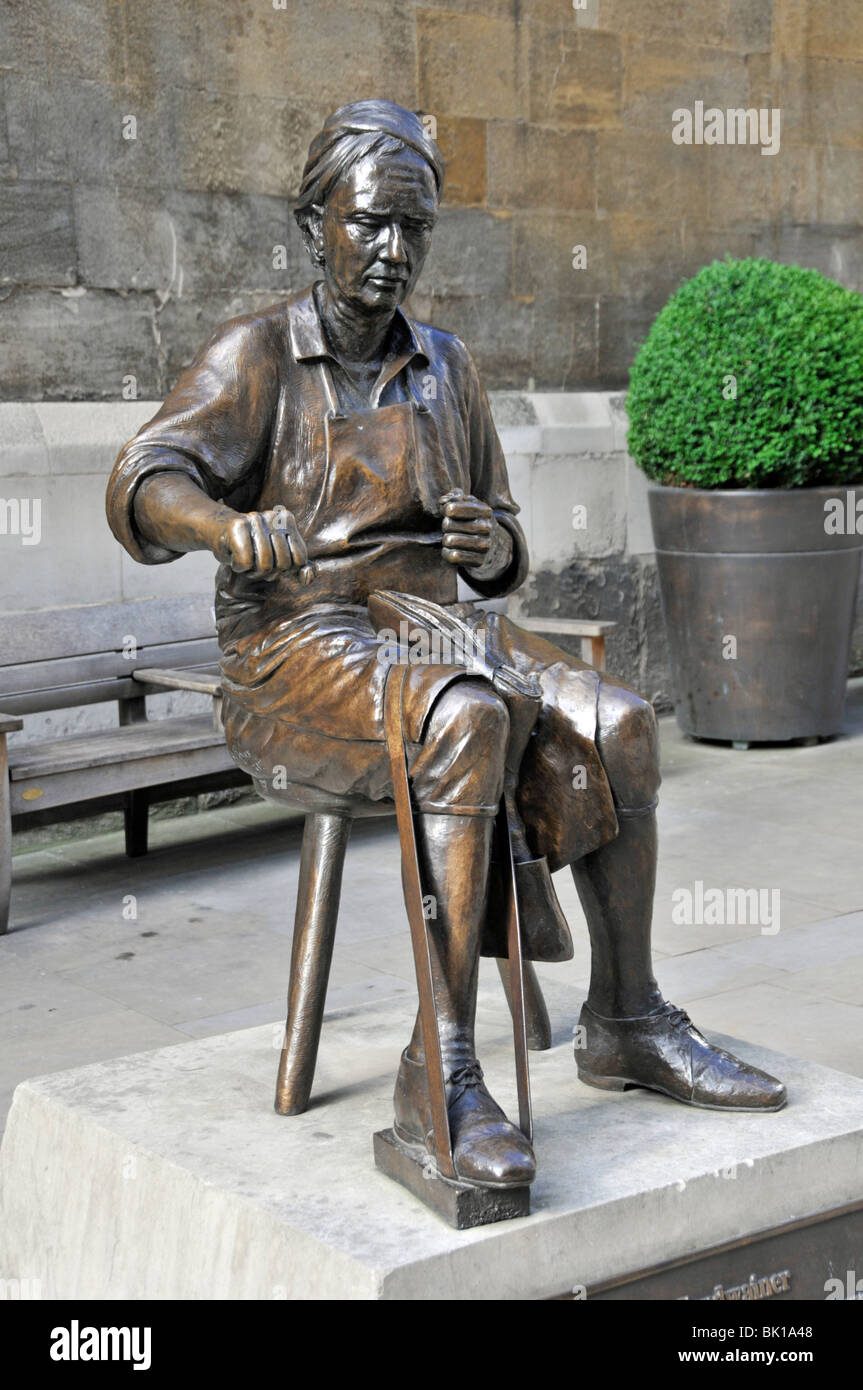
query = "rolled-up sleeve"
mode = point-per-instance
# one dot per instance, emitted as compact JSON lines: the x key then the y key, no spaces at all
{"x":214,"y":427}
{"x":490,"y":483}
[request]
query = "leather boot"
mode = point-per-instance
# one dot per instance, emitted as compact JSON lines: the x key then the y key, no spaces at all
{"x":488,"y":1151}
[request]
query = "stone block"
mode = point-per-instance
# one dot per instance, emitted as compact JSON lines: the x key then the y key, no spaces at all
{"x":835,"y":30}
{"x":185,"y":324}
{"x":834,"y":102}
{"x":574,"y":422}
{"x":836,"y":251}
{"x":468,"y":65}
{"x":545,"y":247}
{"x":645,"y":251}
{"x":77,"y":344}
{"x":77,"y":39}
{"x":59,"y":563}
{"x":531,"y":168}
{"x":741,"y":25}
{"x":842,"y":185}
{"x":574,"y":74}
{"x":191,"y":574}
{"x":311,"y":51}
{"x":495,"y":329}
{"x":86,"y":436}
{"x":677,"y":181}
{"x":462,"y":142}
{"x":623,"y":326}
{"x":187,"y":243}
{"x":742,"y":185}
{"x":471,"y":254}
{"x":184,"y":137}
{"x":168,"y":1175}
{"x":37,"y":236}
{"x":639,"y":532}
{"x":564,"y":342}
{"x":660,"y":76}
{"x":578,"y":509}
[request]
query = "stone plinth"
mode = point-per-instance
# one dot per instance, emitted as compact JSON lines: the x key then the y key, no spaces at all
{"x":168,"y":1175}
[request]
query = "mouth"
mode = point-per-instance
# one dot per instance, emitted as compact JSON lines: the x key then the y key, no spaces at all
{"x":386,"y":282}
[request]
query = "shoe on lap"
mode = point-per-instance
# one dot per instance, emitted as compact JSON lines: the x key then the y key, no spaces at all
{"x":664,"y":1051}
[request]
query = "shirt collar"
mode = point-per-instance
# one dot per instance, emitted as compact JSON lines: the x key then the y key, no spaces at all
{"x":308,"y":340}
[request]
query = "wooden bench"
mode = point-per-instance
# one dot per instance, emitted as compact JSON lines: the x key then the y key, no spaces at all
{"x":55,"y":659}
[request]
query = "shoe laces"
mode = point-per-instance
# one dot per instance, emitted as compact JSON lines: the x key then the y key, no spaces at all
{"x":678,"y":1018}
{"x":463,"y":1077}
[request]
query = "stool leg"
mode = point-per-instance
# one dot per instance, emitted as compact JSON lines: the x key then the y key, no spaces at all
{"x":325,"y":840}
{"x":536,"y":1014}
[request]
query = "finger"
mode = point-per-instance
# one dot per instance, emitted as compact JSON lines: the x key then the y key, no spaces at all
{"x":460,"y":541}
{"x":299,"y":550}
{"x":450,"y":496}
{"x":480,"y":526}
{"x":283,"y":557}
{"x":467,"y":511}
{"x":259,"y":533}
{"x":465,"y":559}
{"x":240,"y":545}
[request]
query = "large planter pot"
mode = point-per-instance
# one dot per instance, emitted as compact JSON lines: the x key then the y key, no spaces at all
{"x":759,"y":600}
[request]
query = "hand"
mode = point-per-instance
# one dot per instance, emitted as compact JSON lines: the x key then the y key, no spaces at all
{"x":473,"y":537}
{"x":263,"y":544}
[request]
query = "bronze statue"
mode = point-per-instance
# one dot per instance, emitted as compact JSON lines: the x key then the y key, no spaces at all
{"x":338,"y":457}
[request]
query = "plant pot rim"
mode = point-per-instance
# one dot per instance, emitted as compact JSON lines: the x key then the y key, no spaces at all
{"x":754,"y":491}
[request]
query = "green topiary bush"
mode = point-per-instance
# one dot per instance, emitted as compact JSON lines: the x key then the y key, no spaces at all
{"x":793,"y":342}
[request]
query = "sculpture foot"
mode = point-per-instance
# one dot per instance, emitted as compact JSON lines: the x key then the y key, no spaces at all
{"x":664,"y":1051}
{"x":487,"y":1150}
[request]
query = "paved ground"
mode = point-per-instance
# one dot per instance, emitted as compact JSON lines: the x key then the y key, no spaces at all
{"x":108,"y":956}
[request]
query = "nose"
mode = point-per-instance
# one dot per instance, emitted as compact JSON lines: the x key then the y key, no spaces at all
{"x":394,"y":246}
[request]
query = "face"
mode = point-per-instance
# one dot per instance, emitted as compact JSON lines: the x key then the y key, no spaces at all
{"x":376,"y":229}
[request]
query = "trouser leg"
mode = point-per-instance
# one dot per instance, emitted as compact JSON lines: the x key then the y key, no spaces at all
{"x":459,"y":773}
{"x":454,"y":858}
{"x":616,"y":882}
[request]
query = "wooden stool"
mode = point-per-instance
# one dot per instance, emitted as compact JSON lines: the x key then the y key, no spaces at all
{"x":325,"y":840}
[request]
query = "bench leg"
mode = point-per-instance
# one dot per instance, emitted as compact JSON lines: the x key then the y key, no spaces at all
{"x":325,"y":840}
{"x":536,"y":1014}
{"x":135,"y":821}
{"x":5,"y":838}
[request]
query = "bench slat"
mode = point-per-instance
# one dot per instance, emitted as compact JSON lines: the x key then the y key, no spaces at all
{"x":60,"y":678}
{"x":28,"y":762}
{"x":86,"y":783}
{"x":45,"y":634}
{"x":569,"y":627}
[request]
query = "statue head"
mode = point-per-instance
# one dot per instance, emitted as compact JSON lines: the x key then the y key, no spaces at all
{"x":368,"y":202}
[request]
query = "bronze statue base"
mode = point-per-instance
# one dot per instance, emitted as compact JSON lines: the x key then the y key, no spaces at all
{"x":456,"y":1203}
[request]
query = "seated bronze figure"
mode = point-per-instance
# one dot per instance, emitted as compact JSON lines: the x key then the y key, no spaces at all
{"x":329,"y":450}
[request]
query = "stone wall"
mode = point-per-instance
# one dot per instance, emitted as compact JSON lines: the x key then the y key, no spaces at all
{"x":119,"y":255}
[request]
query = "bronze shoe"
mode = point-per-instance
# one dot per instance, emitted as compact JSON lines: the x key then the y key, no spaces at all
{"x":664,"y":1051}
{"x":487,"y":1150}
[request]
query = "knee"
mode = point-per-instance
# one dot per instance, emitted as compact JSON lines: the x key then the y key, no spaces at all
{"x":628,"y":743}
{"x":478,"y":714}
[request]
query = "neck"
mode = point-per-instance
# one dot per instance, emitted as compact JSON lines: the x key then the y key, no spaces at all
{"x":358,"y":334}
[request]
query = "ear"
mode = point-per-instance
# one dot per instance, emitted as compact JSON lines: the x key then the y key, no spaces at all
{"x":312,"y":228}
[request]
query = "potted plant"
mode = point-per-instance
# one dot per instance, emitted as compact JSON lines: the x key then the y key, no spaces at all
{"x":746,"y":409}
